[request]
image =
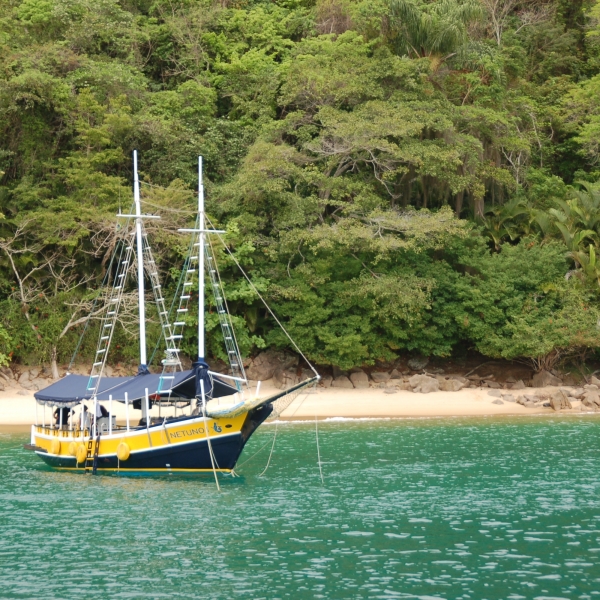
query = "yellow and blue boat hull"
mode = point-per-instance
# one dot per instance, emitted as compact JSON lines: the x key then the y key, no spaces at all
{"x":175,"y":445}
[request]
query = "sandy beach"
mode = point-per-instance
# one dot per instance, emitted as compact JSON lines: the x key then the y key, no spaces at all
{"x":18,"y":408}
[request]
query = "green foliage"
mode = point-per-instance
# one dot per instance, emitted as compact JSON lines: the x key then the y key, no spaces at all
{"x":336,"y":136}
{"x":516,"y":303}
{"x":433,"y":30}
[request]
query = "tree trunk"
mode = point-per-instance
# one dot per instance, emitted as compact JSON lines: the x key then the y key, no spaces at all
{"x":459,"y":203}
{"x":478,"y":207}
{"x":407,"y":192}
{"x":53,"y":365}
{"x":424,"y":192}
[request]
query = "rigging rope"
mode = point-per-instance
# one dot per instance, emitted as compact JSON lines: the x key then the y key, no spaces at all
{"x":178,"y":291}
{"x":263,"y":300}
{"x":166,"y":208}
{"x":104,"y":284}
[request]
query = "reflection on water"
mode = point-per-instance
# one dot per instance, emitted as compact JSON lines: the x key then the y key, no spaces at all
{"x":460,"y":508}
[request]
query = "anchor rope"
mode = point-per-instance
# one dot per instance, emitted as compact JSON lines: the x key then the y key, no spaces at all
{"x":249,"y":459}
{"x":270,"y":453}
{"x":213,"y":459}
{"x":318,"y":449}
{"x":210,"y":452}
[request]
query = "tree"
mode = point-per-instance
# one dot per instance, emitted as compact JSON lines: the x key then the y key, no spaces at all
{"x":435,"y":31}
{"x":528,"y":13}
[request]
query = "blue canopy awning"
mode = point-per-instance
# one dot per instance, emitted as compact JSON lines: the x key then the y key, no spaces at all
{"x":72,"y":389}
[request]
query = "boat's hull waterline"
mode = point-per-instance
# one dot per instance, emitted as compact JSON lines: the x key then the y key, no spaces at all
{"x":176,"y":446}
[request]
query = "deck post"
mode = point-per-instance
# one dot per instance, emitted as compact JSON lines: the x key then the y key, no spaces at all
{"x":110,"y":414}
{"x":95,"y":421}
{"x":127,"y":409}
{"x":147,"y":409}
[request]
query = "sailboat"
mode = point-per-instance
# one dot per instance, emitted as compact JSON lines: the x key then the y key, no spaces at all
{"x":217,"y":412}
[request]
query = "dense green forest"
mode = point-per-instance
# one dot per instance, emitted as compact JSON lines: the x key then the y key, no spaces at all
{"x":396,"y":176}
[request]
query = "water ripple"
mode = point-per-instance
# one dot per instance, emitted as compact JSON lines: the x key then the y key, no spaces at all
{"x":424,"y":509}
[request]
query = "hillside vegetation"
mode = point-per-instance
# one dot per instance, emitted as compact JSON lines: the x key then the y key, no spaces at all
{"x":395,"y":175}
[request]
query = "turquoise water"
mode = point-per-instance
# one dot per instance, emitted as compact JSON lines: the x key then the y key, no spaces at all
{"x":460,"y":508}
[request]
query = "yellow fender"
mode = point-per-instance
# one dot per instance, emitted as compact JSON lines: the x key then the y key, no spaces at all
{"x":81,"y":453}
{"x":55,"y":446}
{"x":123,"y":451}
{"x":72,"y":449}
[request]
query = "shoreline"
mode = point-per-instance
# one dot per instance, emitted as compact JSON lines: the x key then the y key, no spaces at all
{"x":11,"y":429}
{"x":18,"y":407}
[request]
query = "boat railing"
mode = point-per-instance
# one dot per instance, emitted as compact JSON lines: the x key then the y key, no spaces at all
{"x":73,"y":432}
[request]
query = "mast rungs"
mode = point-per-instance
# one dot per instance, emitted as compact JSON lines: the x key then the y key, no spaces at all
{"x":174,"y":337}
{"x":167,"y":376}
{"x":97,"y":364}
{"x":94,"y":376}
{"x":191,"y":270}
{"x":163,"y":313}
{"x":119,"y":287}
{"x":105,"y":337}
{"x":112,"y":312}
{"x":178,"y":323}
{"x":108,"y":325}
{"x":101,"y":351}
{"x":121,"y":275}
{"x":184,"y":297}
{"x":160,"y":300}
{"x":166,"y":325}
{"x":193,"y":258}
{"x":182,"y":310}
{"x":187,"y":284}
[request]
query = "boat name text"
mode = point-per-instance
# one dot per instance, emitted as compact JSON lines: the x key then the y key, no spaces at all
{"x":186,"y":433}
